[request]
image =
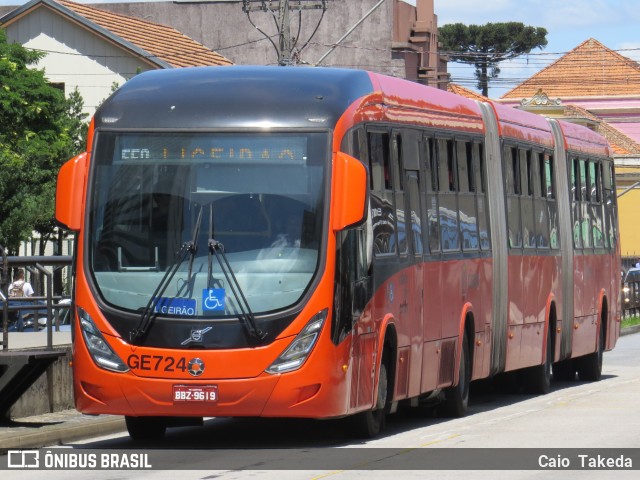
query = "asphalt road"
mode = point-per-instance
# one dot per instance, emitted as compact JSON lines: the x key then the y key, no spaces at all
{"x":576,"y":418}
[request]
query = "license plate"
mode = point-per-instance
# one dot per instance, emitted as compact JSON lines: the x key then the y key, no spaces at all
{"x":195,"y":393}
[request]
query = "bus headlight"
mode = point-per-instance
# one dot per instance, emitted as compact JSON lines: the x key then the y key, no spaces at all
{"x":297,"y":352}
{"x":98,"y":347}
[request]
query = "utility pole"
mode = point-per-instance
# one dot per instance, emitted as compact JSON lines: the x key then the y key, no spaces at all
{"x":286,"y":46}
{"x":284,"y":53}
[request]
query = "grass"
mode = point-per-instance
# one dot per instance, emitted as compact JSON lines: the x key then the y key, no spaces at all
{"x":630,"y":321}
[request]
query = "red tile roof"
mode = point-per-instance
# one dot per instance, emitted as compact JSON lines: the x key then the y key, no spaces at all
{"x":160,"y":41}
{"x":589,"y":70}
{"x":620,"y":143}
{"x":465,"y":92}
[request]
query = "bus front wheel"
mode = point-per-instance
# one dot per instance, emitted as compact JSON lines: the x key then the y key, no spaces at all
{"x":370,"y":423}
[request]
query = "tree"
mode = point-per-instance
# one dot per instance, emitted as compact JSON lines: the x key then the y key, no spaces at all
{"x":485,"y":46}
{"x":38,"y":133}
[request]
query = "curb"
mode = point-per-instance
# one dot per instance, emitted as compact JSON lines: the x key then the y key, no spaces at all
{"x":629,"y":330}
{"x":60,"y":433}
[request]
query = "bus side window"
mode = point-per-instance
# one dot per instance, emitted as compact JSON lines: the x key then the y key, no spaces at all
{"x":575,"y":204}
{"x":609,"y":190}
{"x":431,"y":159}
{"x":382,"y":202}
{"x":402,"y":222}
{"x":512,"y":178}
{"x":526,"y":199}
{"x":466,"y":197}
{"x":541,"y":211}
{"x":447,"y":196}
{"x":483,"y":215}
{"x":585,"y":197}
{"x":549,"y":178}
{"x":351,"y":280}
{"x":596,"y":203}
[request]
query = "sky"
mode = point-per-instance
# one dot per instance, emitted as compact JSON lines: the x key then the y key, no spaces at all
{"x":614,"y":23}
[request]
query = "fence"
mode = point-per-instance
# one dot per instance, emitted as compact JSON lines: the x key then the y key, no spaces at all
{"x":51,"y":302}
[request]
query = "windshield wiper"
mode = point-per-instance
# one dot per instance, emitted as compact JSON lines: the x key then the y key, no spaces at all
{"x":187,"y":248}
{"x":147,"y":314}
{"x":216,"y":248}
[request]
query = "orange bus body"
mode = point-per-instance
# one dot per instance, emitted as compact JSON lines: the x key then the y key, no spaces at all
{"x":426,"y":306}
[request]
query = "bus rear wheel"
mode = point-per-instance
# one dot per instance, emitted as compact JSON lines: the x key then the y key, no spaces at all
{"x":537,"y":379}
{"x":456,"y":398}
{"x":590,"y":366}
{"x":146,"y":428}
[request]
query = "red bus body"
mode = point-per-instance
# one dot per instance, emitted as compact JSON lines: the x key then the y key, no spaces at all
{"x":510,"y":304}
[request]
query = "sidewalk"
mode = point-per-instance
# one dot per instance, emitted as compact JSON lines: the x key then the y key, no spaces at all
{"x":62,"y":427}
{"x":56,"y":429}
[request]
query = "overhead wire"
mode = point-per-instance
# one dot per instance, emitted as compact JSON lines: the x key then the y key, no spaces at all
{"x":532,"y":61}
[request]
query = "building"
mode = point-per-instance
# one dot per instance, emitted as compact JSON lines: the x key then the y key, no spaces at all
{"x":396,"y":39}
{"x":93,"y":50}
{"x":98,"y":45}
{"x":598,"y":87}
{"x":465,"y":92}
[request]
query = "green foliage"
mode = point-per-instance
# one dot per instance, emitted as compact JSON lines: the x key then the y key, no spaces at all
{"x":39,"y":131}
{"x":485,"y":46}
{"x":630,"y":321}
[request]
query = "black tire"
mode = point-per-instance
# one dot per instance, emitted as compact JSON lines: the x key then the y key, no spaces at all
{"x":369,"y":424}
{"x":537,"y":379}
{"x":456,"y":398}
{"x":590,"y":366}
{"x":564,"y":371}
{"x":146,"y":428}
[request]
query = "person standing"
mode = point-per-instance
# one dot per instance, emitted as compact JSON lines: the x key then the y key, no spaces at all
{"x":20,"y":288}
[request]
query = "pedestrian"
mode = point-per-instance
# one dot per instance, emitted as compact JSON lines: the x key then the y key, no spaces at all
{"x":18,"y":289}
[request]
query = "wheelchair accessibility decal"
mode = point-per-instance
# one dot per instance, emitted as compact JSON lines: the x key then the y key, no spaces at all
{"x":213,"y":299}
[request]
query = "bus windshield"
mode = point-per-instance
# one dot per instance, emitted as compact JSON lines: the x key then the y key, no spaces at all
{"x":259,"y":196}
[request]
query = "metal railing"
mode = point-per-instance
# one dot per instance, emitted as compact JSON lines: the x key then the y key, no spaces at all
{"x":36,"y":266}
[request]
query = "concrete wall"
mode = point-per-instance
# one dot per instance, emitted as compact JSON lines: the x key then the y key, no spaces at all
{"x":225,"y":28}
{"x":52,"y":392}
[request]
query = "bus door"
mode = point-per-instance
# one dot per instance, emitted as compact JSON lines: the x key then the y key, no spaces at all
{"x":407,"y":148}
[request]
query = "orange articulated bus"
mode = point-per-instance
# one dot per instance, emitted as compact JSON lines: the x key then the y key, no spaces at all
{"x":326,"y":243}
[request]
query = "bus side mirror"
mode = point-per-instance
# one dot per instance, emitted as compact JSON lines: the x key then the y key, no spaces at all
{"x":349,"y":191}
{"x":70,"y":192}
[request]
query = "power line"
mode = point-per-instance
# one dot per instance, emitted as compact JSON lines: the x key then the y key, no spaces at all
{"x":286,"y":49}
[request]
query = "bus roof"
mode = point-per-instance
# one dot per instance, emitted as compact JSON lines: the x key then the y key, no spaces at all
{"x":234,"y":97}
{"x":409,"y":102}
{"x":520,"y":125}
{"x":239,"y":97}
{"x":579,"y":138}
